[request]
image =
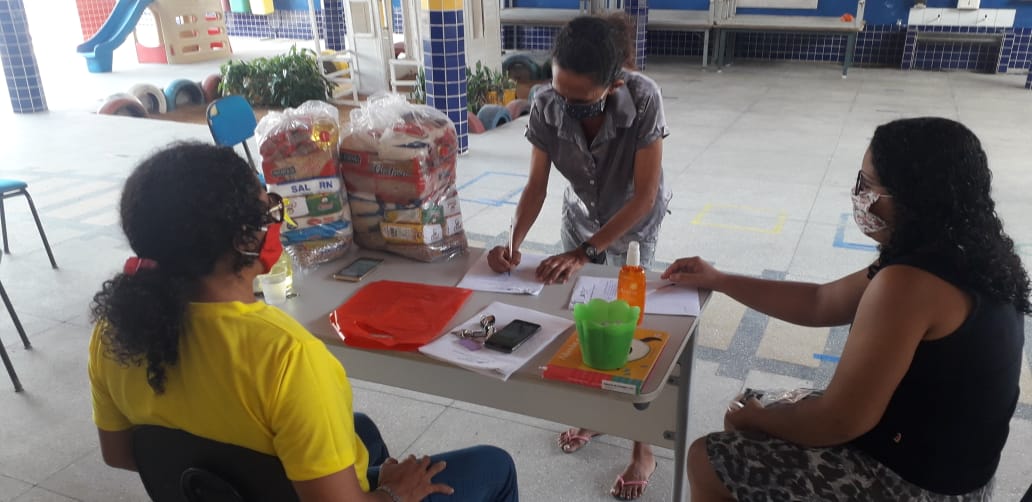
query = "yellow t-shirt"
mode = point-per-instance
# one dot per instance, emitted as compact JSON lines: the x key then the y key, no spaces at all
{"x":248,"y":375}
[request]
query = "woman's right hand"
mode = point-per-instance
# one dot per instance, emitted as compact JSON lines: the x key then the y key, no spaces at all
{"x":410,"y":478}
{"x":500,"y":261}
{"x":694,"y":272}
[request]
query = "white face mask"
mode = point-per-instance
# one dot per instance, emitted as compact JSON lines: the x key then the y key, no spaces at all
{"x":868,"y":222}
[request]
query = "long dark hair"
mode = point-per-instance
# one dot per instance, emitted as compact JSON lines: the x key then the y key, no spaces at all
{"x":184,"y":207}
{"x":597,"y":46}
{"x":938,"y":175}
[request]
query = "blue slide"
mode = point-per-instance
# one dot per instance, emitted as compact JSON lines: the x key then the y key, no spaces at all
{"x":118,"y":26}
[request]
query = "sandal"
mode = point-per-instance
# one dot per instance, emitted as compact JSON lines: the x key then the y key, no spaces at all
{"x":620,"y":484}
{"x":569,"y":441}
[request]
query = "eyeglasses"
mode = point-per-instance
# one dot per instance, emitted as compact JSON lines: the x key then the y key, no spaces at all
{"x":277,"y":209}
{"x":862,"y":185}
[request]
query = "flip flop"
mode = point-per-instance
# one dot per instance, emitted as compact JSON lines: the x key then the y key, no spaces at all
{"x":620,"y":484}
{"x":568,"y":441}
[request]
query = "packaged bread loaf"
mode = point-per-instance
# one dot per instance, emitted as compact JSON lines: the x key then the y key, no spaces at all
{"x":398,"y":162}
{"x":299,"y":160}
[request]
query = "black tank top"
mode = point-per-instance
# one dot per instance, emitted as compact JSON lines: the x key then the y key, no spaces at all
{"x":948,"y":419}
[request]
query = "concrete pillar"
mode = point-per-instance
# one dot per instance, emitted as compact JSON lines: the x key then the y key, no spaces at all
{"x":444,"y":60}
{"x":19,"y":60}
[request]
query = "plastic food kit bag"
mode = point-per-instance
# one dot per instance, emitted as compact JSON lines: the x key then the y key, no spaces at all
{"x":398,"y":162}
{"x":299,"y":160}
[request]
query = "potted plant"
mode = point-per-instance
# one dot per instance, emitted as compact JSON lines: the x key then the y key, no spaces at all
{"x":285,"y":80}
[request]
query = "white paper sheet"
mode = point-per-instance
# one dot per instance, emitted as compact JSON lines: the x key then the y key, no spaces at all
{"x":521,"y":281}
{"x":491,"y":362}
{"x":661,"y":297}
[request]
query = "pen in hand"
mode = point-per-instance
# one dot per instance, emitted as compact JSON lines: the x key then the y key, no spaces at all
{"x":512,"y":225}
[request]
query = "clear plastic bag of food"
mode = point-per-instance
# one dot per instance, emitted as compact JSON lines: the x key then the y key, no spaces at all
{"x":774,"y":397}
{"x":299,"y":160}
{"x":398,"y":162}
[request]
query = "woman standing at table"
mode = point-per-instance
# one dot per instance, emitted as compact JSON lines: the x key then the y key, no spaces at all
{"x":920,"y":404}
{"x":181,"y":342}
{"x":602,"y":126}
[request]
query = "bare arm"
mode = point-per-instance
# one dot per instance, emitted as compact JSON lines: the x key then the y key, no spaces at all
{"x":116,"y":447}
{"x":898,"y":309}
{"x":647,"y":171}
{"x":340,"y":486}
{"x":806,"y":304}
{"x":533,"y":196}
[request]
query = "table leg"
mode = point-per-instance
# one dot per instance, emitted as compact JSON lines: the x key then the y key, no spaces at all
{"x":705,"y":48}
{"x":850,"y":48}
{"x":684,"y":387}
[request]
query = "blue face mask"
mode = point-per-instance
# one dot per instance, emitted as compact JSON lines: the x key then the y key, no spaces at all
{"x":585,"y":111}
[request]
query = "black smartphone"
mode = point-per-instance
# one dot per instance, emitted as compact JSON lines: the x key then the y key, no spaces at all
{"x":512,"y":336}
{"x":357,"y":270}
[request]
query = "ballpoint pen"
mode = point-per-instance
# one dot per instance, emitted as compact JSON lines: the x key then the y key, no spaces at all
{"x":512,"y":224}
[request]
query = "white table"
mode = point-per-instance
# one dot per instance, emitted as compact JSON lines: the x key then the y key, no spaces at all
{"x":659,"y":415}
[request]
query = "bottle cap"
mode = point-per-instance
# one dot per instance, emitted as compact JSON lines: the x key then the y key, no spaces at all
{"x":633,"y":254}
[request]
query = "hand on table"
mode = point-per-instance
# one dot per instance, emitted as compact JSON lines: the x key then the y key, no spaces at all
{"x":559,"y":268}
{"x":694,"y":272}
{"x":410,"y":478}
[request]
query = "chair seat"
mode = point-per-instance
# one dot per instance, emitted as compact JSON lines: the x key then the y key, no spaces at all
{"x":9,"y":185}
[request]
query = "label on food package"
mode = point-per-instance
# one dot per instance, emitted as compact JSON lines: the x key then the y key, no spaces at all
{"x":404,"y":233}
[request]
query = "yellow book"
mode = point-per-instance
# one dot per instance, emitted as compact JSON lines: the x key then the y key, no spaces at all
{"x":567,"y":364}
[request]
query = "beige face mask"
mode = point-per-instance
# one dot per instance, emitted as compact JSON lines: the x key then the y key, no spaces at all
{"x":868,"y":222}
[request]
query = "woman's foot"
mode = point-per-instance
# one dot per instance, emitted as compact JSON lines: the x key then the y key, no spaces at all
{"x":575,"y":439}
{"x":635,"y":478}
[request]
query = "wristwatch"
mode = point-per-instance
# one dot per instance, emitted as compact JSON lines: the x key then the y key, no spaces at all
{"x":591,"y":251}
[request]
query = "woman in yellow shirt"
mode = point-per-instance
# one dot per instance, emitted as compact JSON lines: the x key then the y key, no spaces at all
{"x":181,"y":342}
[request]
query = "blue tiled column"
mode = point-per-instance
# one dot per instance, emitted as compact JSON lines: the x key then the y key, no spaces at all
{"x":19,"y":60}
{"x":1006,"y":51}
{"x":444,"y":60}
{"x":333,"y":20}
{"x":638,"y":10}
{"x":909,"y":49}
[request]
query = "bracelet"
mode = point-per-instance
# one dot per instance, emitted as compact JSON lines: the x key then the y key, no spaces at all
{"x":390,"y":493}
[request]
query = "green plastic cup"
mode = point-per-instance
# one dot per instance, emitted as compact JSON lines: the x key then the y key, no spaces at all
{"x":605,"y":331}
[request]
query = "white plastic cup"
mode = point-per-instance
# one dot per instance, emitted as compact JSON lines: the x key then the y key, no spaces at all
{"x":274,"y":287}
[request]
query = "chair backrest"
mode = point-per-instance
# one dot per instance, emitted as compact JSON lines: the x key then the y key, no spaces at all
{"x":176,"y":466}
{"x":231,"y":120}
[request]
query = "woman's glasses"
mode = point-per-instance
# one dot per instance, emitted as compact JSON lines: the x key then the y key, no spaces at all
{"x":277,"y":209}
{"x":862,"y":185}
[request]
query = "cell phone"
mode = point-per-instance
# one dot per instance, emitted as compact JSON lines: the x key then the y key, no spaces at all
{"x":509,"y":338}
{"x":357,"y":270}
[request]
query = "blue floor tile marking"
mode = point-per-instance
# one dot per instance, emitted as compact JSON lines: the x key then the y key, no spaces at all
{"x":507,"y":200}
{"x":826,"y":357}
{"x":840,"y":237}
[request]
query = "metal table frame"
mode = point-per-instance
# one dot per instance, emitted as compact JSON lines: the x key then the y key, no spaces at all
{"x":657,"y":416}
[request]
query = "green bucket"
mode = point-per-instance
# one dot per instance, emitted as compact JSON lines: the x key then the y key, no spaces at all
{"x":605,"y":331}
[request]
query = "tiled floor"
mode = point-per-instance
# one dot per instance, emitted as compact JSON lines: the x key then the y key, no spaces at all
{"x":760,"y":160}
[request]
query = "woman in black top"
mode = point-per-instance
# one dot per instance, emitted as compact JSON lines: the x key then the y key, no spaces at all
{"x":919,"y":405}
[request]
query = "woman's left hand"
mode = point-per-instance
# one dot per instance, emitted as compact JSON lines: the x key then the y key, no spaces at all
{"x":740,"y":415}
{"x":559,"y":268}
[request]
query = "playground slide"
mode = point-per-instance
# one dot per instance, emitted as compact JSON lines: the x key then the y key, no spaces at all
{"x":98,"y":50}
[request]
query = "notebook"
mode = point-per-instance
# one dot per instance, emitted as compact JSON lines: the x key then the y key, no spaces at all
{"x":568,"y":366}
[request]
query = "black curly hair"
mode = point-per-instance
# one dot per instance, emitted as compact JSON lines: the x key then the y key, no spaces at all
{"x":939,"y":177}
{"x":184,"y":207}
{"x":598,"y":46}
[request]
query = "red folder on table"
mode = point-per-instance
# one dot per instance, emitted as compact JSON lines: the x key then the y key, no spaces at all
{"x":396,"y":315}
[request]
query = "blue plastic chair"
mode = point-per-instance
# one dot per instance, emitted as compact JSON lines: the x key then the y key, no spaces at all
{"x":21,"y":332}
{"x":231,"y":121}
{"x":17,"y":188}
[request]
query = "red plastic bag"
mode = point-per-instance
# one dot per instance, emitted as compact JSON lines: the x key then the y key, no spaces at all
{"x":396,"y":315}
